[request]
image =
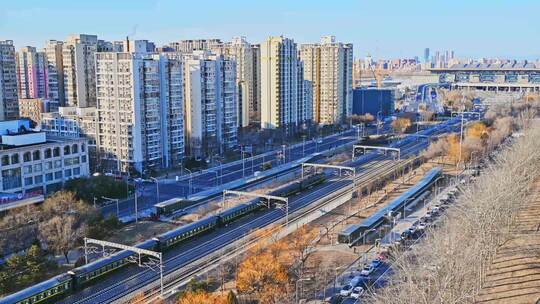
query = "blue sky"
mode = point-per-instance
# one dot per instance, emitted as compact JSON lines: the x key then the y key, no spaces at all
{"x":384,"y":28}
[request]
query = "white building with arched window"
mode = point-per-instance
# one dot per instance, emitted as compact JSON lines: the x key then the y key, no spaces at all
{"x":33,"y":164}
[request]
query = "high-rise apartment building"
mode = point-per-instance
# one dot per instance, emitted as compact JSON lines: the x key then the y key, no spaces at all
{"x":9,"y":105}
{"x":138,"y":46}
{"x":246,"y":59}
{"x":140,"y":111}
{"x":55,"y":71}
{"x":188,"y":46}
{"x":255,"y":106}
{"x":211,"y":103}
{"x":328,"y":65}
{"x":282,"y":85}
{"x":34,"y":108}
{"x":31,"y":73}
{"x":79,"y":70}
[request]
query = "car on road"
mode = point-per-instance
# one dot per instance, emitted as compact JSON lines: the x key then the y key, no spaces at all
{"x":357,"y":292}
{"x":367,"y":270}
{"x":346,"y":290}
{"x":376,"y":263}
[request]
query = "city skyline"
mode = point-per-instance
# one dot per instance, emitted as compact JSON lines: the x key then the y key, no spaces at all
{"x":373,"y":28}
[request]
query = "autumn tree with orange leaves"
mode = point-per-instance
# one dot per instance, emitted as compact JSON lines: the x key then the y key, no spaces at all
{"x":202,"y":297}
{"x":401,"y":125}
{"x":272,"y":265}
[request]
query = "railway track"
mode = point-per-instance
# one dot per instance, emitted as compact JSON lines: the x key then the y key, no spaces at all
{"x":373,"y":172}
{"x":178,"y":271}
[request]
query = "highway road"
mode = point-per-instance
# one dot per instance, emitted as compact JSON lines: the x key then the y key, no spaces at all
{"x":131,"y":278}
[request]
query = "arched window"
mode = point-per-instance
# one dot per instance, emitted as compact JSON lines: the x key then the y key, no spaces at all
{"x":74,"y":148}
{"x":67,"y":150}
{"x":5,"y":160}
{"x":36,"y":155}
{"x":15,"y":158}
{"x":27,"y":157}
{"x":83,"y":147}
{"x":48,"y":153}
{"x":56,"y":152}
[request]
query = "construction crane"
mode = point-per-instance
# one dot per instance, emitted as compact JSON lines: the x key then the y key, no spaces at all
{"x":378,"y":74}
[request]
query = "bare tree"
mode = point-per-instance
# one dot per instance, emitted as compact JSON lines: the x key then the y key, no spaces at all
{"x":450,"y":264}
{"x":61,"y":233}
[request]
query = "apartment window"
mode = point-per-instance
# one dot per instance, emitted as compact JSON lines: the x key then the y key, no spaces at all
{"x":36,"y":155}
{"x":28,"y":181}
{"x":27,"y":169}
{"x":38,"y":179}
{"x":48,"y":153}
{"x":15,"y":158}
{"x":56,"y":152}
{"x":75,"y":148}
{"x":11,"y":178}
{"x":58,"y":175}
{"x":83,"y":158}
{"x":27,"y":157}
{"x":67,"y":173}
{"x":37,"y":167}
{"x":57,"y":163}
{"x":76,"y":171}
{"x":83,"y":147}
{"x":48,"y":165}
{"x":5,"y":160}
{"x":67,"y":150}
{"x":48,"y":177}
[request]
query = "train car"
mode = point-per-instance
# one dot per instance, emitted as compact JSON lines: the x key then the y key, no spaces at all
{"x":299,"y":186}
{"x":353,"y":232}
{"x":171,"y":238}
{"x":312,"y":180}
{"x":349,"y":234}
{"x":168,"y":207}
{"x":236,"y":212}
{"x":91,"y":271}
{"x":45,"y":292}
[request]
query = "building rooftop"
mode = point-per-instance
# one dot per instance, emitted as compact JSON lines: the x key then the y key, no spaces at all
{"x":507,"y":66}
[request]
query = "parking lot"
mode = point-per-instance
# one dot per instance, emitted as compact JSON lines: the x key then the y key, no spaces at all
{"x":371,"y":269}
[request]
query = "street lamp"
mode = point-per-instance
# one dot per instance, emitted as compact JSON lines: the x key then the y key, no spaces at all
{"x":190,"y":178}
{"x":244,"y":164}
{"x":136,"y":206}
{"x":157,"y":187}
{"x":303,"y":145}
{"x":220,"y":171}
{"x":117,"y":204}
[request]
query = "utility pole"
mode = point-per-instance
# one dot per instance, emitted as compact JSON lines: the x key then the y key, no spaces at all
{"x":461,"y":134}
{"x":136,"y":206}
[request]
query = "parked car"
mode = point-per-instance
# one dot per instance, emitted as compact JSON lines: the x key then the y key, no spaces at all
{"x":357,"y":292}
{"x":354,"y":282}
{"x":376,"y":263}
{"x":367,"y":270}
{"x":346,"y":290}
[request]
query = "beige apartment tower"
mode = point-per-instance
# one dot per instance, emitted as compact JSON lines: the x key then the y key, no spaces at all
{"x":283,"y":100}
{"x":78,"y":54}
{"x":328,"y":65}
